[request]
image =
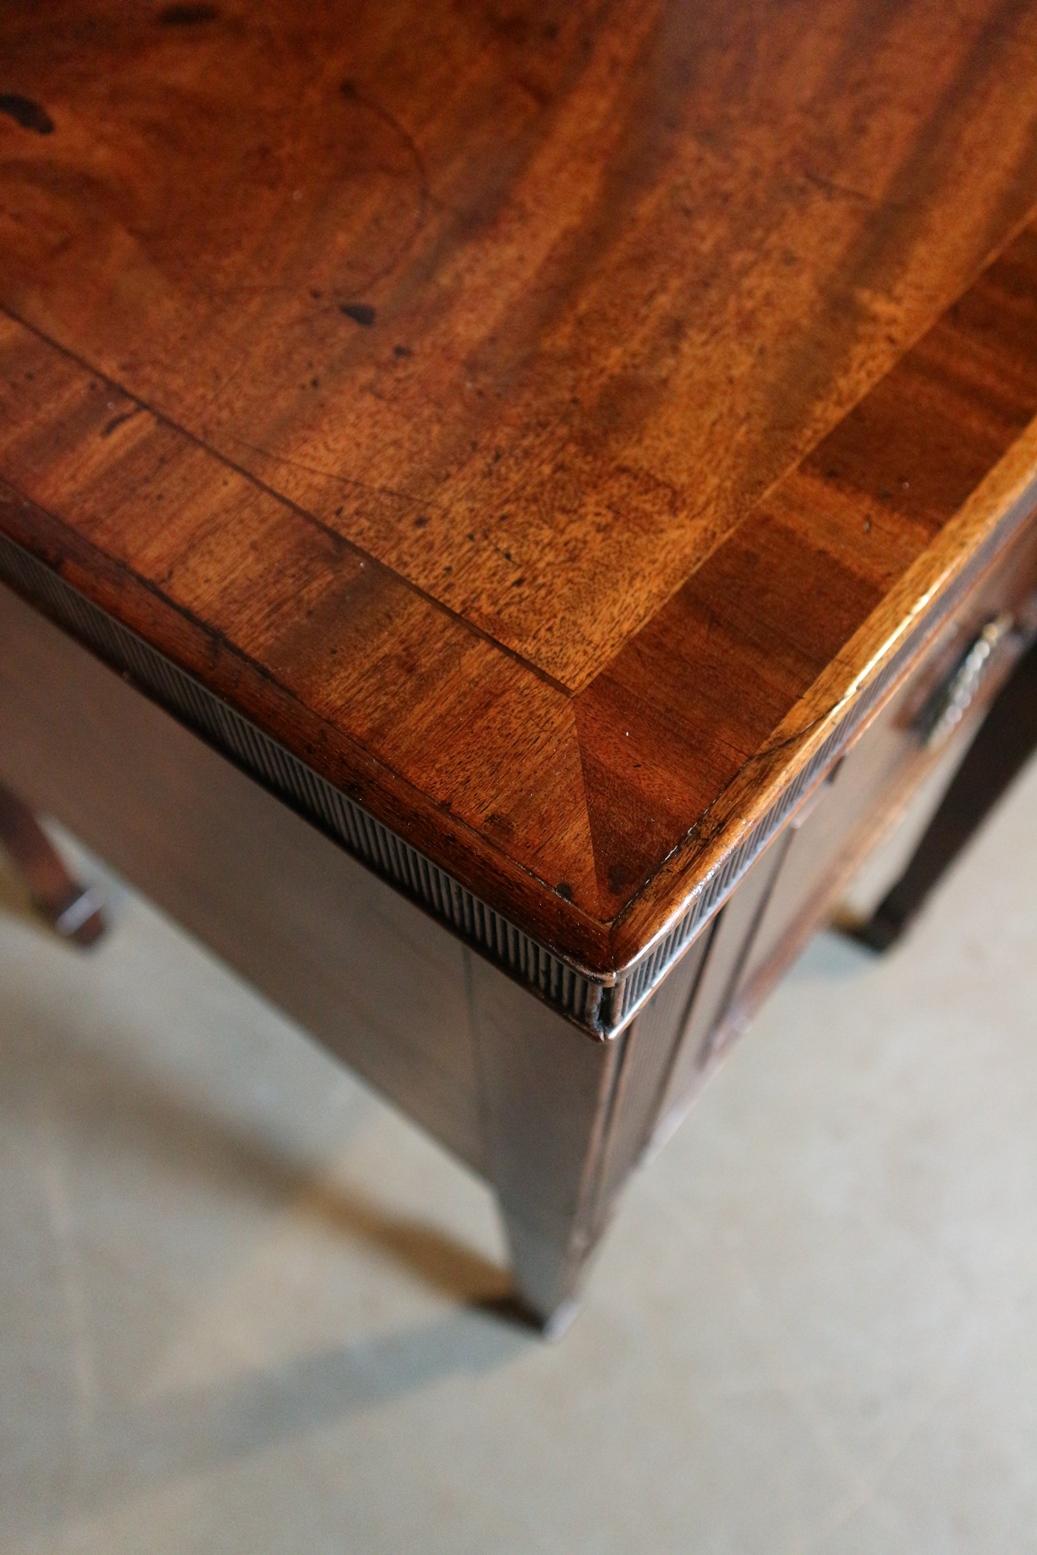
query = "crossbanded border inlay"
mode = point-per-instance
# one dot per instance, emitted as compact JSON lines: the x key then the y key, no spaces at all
{"x":601,"y":1006}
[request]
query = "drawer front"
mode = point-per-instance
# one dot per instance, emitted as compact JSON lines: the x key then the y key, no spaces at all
{"x":725,"y":943}
{"x":792,"y":887}
{"x":940,"y":704}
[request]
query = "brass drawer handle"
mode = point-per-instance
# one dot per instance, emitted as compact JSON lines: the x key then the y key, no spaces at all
{"x":950,"y":702}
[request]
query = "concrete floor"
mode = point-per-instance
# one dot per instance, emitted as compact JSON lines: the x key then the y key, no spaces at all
{"x":235,"y":1290}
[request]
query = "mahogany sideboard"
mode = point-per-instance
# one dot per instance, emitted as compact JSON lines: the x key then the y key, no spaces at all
{"x":501,"y":507}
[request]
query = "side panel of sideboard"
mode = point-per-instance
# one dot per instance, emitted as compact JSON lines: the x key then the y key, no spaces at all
{"x":552,"y":1118}
{"x":340,"y":951}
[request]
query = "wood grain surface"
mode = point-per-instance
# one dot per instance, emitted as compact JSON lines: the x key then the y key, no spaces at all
{"x":540,"y":419}
{"x":348,"y":959}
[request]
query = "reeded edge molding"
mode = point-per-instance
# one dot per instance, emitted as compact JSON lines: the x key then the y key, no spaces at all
{"x":638,"y":979}
{"x":569,"y":990}
{"x":599,"y":1004}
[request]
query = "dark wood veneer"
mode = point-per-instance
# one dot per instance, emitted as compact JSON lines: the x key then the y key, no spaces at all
{"x":558,"y":454}
{"x":553,"y":439}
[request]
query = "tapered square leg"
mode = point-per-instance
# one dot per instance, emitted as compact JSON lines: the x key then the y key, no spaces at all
{"x":73,"y":910}
{"x":546,"y":1091}
{"x":565,"y":1119}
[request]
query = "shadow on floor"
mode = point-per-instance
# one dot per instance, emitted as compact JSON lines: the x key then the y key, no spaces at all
{"x":125,"y":1449}
{"x":142,"y":1446}
{"x":143,"y":1118}
{"x":835,"y":957}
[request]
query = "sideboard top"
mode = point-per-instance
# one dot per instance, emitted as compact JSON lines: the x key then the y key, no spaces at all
{"x":538,"y":418}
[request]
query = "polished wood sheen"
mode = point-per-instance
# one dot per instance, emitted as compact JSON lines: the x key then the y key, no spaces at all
{"x":535,"y":419}
{"x":560,"y":455}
